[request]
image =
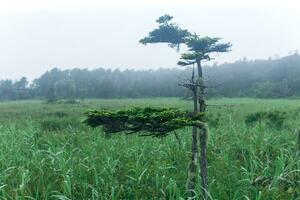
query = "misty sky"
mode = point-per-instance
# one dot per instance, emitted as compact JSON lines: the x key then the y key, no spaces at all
{"x":37,"y":35}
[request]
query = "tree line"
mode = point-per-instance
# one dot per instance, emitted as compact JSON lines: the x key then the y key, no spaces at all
{"x":271,"y":78}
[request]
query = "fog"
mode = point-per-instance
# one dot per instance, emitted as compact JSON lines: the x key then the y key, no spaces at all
{"x":38,"y":35}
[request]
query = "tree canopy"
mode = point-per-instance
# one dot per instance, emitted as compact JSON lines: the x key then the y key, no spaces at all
{"x":166,"y":32}
{"x":200,"y":48}
{"x":148,"y":121}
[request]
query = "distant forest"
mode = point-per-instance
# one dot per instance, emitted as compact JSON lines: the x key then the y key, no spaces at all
{"x":272,"y":78}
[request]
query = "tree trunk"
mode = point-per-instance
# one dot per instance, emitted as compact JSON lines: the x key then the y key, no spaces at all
{"x":191,"y":187}
{"x":202,"y":105}
{"x":192,"y":178}
{"x":203,"y":162}
{"x":202,"y":135}
{"x":298,"y":142}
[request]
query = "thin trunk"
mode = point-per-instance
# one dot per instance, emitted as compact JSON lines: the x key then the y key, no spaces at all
{"x":202,"y":136}
{"x":203,"y":162}
{"x":202,"y":105}
{"x":191,"y":185}
{"x":298,"y":142}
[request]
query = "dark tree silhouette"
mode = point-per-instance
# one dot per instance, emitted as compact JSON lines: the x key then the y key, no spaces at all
{"x":199,"y":49}
{"x":166,"y":32}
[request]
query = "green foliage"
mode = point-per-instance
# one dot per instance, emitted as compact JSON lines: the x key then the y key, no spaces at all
{"x":246,"y":162}
{"x":58,"y":121}
{"x":166,"y":32}
{"x":67,"y":101}
{"x":65,"y":89}
{"x":14,"y":90}
{"x":148,"y":121}
{"x":271,"y":118}
{"x":213,"y":120}
{"x":245,"y":78}
{"x":61,"y":114}
{"x":52,"y":125}
{"x":164,"y":19}
{"x":200,"y":48}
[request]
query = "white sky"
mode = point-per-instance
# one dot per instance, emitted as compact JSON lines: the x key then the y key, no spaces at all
{"x":37,"y":35}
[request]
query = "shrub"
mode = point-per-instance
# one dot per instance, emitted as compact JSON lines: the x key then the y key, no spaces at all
{"x":148,"y":121}
{"x":71,"y":101}
{"x":60,"y":114}
{"x":52,"y":125}
{"x":270,"y":118}
{"x":213,"y":120}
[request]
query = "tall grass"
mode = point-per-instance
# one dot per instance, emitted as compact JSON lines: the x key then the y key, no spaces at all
{"x":46,"y":153}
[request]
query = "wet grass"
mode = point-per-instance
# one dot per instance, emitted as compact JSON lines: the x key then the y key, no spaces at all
{"x":46,"y":153}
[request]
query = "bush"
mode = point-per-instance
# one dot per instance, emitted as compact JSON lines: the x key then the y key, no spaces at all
{"x":213,"y":120}
{"x":52,"y":125}
{"x":71,"y":101}
{"x":270,"y":118}
{"x":60,"y":114}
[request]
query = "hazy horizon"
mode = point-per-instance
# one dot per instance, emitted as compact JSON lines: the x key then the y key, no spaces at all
{"x":36,"y":37}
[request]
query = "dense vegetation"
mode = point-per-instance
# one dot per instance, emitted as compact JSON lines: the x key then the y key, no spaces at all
{"x":258,"y":78}
{"x":253,"y":150}
{"x":46,"y":153}
{"x":148,"y":121}
{"x":199,"y":49}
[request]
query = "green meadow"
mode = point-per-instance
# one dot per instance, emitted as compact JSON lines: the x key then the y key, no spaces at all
{"x":47,"y":153}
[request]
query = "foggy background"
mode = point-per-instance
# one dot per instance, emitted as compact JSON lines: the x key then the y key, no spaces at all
{"x":36,"y":36}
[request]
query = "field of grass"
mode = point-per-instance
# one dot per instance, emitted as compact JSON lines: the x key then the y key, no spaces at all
{"x":46,"y":153}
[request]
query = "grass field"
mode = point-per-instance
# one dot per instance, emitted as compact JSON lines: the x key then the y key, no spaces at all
{"x":46,"y":153}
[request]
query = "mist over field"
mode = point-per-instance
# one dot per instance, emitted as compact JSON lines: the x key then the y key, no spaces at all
{"x":272,"y":78}
{"x":194,"y":99}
